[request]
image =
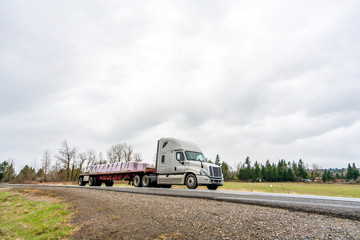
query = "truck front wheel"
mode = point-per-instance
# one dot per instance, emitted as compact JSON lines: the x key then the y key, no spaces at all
{"x":191,"y":181}
{"x":137,"y":181}
{"x":212,"y":187}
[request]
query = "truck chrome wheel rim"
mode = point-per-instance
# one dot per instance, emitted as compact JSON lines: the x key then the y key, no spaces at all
{"x":191,"y":181}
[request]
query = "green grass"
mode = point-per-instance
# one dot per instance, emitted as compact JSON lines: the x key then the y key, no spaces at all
{"x":335,"y":190}
{"x":24,"y":219}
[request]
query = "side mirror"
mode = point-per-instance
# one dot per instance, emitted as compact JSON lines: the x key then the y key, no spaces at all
{"x":180,"y":157}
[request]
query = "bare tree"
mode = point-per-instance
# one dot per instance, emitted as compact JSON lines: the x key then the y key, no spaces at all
{"x":122,"y":152}
{"x":137,"y":157}
{"x":128,"y":151}
{"x":82,"y":158}
{"x":67,"y":154}
{"x":73,"y":166}
{"x":91,"y":159}
{"x":116,"y":153}
{"x":101,"y":160}
{"x":316,"y":168}
{"x":46,"y":161}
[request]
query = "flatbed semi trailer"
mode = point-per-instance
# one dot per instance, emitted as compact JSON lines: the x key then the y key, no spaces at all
{"x":177,"y":162}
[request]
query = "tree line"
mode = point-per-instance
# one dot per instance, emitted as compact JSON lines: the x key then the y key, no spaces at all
{"x":285,"y":172}
{"x":70,"y":162}
{"x":67,"y":164}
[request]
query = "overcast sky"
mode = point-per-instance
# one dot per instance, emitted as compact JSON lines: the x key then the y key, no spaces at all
{"x":266,"y":79}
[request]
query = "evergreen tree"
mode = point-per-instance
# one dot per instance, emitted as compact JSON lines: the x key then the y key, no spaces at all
{"x":269,"y":173}
{"x":337,"y":176}
{"x":26,"y":174}
{"x":349,"y":172}
{"x":245,"y":172}
{"x":9,"y":173}
{"x":355,"y":172}
{"x":324,"y":176}
{"x":263,"y":173}
{"x":295,"y":168}
{"x":256,"y":175}
{"x":352,"y":172}
{"x":274,"y":173}
{"x":301,"y":171}
{"x":3,"y":167}
{"x":242,"y":173}
{"x":291,"y":176}
{"x":217,"y":160}
{"x":225,"y":170}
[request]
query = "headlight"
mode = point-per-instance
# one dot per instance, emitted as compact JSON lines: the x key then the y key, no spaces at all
{"x":203,"y":172}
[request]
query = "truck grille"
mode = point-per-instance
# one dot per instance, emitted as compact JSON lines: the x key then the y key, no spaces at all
{"x":215,"y":171}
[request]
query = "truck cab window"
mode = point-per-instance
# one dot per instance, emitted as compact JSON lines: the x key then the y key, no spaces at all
{"x":163,"y":159}
{"x":164,"y":144}
{"x":180,"y":156}
{"x":195,"y":156}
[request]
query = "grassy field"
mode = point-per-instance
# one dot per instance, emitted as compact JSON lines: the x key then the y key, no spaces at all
{"x":336,"y":190}
{"x":25,"y":219}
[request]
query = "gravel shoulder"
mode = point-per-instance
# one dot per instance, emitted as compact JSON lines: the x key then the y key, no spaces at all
{"x":116,"y":215}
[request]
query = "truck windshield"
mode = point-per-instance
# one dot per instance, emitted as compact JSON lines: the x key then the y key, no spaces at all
{"x":195,"y":156}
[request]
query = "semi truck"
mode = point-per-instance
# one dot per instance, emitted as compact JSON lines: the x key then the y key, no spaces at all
{"x":177,"y":162}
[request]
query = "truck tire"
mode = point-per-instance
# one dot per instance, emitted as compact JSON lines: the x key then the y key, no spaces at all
{"x":109,"y":183}
{"x":98,"y":182}
{"x":137,"y":181}
{"x":191,"y":181}
{"x":212,"y":187}
{"x":81,"y":182}
{"x":92,"y":181}
{"x":145,"y":181}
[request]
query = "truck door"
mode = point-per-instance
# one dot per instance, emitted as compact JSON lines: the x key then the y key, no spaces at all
{"x":179,"y":162}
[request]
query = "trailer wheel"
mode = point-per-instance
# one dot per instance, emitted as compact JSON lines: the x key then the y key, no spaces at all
{"x":98,"y":182}
{"x":145,"y":181}
{"x":191,"y":181}
{"x":92,"y":181}
{"x":137,"y":181}
{"x":212,"y":187}
{"x":109,"y":183}
{"x":81,"y":182}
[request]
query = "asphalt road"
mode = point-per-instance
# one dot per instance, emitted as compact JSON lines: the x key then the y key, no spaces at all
{"x":335,"y":206}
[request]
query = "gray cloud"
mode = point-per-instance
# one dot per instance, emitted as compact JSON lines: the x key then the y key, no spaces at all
{"x":270,"y":80}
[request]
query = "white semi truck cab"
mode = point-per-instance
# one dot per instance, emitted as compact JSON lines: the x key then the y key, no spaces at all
{"x":177,"y":162}
{"x":180,"y":162}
